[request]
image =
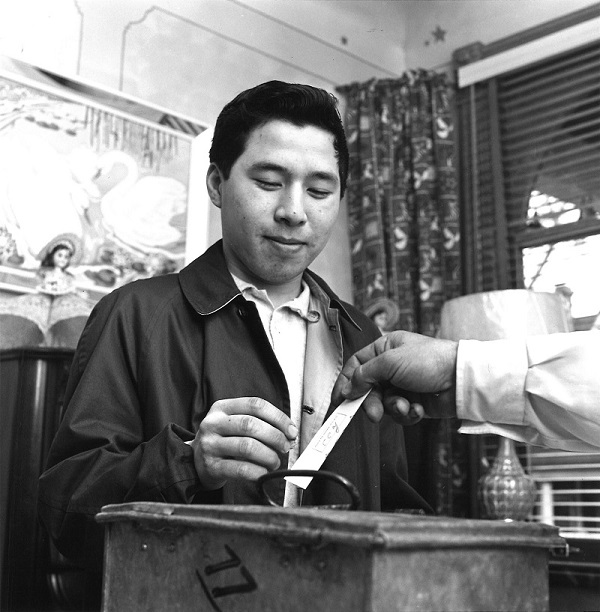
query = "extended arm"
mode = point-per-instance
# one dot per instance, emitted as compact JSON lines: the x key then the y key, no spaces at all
{"x":544,"y":389}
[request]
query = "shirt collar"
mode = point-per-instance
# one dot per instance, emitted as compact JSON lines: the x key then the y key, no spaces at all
{"x":208,"y":285}
{"x":300,"y":305}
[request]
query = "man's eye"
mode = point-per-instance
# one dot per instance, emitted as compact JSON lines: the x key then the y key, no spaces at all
{"x":319,"y":193}
{"x":268,"y":184}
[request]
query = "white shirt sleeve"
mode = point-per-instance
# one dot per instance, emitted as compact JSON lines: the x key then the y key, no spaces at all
{"x":544,"y":390}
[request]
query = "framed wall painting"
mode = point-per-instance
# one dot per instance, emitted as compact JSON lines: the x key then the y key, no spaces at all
{"x":103,"y":173}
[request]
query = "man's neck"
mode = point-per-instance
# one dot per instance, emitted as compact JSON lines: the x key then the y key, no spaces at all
{"x":281,"y":294}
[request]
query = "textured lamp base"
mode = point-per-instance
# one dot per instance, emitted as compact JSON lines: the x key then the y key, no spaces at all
{"x":506,"y":491}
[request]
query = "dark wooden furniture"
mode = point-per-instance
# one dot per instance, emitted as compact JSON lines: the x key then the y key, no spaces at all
{"x":32,"y":384}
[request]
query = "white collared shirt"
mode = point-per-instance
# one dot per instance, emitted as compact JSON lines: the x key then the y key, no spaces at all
{"x":543,"y":390}
{"x":286,"y":329}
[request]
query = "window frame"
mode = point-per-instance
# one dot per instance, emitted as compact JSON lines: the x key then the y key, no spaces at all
{"x":492,"y":251}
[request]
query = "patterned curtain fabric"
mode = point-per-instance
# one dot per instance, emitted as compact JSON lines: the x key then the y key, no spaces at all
{"x":404,"y":232}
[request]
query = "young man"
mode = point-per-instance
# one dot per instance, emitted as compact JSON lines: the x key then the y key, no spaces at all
{"x":186,"y":388}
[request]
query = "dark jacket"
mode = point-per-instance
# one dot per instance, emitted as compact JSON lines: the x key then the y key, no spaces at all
{"x":153,"y":358}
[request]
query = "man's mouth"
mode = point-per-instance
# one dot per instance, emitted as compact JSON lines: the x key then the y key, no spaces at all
{"x":291,"y":242}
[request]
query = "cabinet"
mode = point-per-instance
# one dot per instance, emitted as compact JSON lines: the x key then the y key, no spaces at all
{"x":32,"y":384}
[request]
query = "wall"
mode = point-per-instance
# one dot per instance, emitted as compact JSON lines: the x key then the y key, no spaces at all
{"x":462,"y":22}
{"x":192,"y":56}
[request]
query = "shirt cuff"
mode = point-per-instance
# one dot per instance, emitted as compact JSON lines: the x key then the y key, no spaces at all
{"x":490,"y":381}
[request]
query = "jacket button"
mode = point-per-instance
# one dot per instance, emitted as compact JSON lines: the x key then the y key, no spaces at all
{"x":242,"y":312}
{"x":313,"y":316}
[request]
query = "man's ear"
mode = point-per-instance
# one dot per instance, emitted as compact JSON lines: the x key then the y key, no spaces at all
{"x":214,"y":183}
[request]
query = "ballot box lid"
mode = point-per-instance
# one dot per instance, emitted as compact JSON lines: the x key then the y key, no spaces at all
{"x":374,"y":530}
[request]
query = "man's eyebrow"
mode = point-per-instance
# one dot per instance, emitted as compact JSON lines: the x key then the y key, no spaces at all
{"x":273,"y":167}
{"x":325,"y":176}
{"x":317,"y":174}
{"x":267,"y":166}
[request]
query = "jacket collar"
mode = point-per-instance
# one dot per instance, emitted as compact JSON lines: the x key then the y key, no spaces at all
{"x":208,"y":285}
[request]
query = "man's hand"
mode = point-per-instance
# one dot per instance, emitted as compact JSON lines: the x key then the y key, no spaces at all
{"x":402,"y":363}
{"x":240,"y":438}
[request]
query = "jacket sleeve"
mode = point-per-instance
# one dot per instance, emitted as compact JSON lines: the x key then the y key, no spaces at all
{"x":543,"y":390}
{"x":101,"y":454}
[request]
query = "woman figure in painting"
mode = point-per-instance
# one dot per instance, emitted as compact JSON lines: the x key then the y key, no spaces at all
{"x":56,"y":279}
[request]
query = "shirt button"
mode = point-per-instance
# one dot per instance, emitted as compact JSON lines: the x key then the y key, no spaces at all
{"x":313,"y":316}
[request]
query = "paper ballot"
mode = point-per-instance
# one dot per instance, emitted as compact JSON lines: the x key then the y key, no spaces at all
{"x":324,"y":440}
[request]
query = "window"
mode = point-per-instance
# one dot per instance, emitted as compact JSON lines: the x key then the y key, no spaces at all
{"x":528,"y":127}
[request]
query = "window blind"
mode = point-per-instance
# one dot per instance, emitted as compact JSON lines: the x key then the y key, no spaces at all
{"x":535,"y":129}
{"x":550,"y":131}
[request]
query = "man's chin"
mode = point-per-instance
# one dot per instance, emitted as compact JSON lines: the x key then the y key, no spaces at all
{"x":284,"y":275}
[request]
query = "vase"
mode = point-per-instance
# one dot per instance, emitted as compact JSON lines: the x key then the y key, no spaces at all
{"x":506,"y":491}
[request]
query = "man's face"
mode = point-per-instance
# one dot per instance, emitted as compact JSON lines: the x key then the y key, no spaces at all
{"x":279,"y":204}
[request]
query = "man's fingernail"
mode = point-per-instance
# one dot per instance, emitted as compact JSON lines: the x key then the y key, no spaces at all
{"x":292,"y":432}
{"x":346,"y":389}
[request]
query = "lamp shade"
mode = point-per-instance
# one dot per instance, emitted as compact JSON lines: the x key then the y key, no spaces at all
{"x":505,"y":491}
{"x":510,"y":313}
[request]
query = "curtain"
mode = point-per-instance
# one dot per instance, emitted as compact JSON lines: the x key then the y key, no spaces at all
{"x":405,"y":241}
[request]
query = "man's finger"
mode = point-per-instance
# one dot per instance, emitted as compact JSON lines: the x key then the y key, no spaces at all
{"x":337,"y":395}
{"x":364,"y":377}
{"x":260,"y":409}
{"x":362,"y":371}
{"x":247,"y":449}
{"x":396,"y":405}
{"x":373,"y":406}
{"x":417,"y":411}
{"x":232,"y":469}
{"x":245,"y":426}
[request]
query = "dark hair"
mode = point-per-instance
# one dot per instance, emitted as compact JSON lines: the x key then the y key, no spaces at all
{"x":299,"y":104}
{"x":48,"y":261}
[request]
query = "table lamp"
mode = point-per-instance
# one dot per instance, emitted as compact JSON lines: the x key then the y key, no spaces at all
{"x":505,"y":491}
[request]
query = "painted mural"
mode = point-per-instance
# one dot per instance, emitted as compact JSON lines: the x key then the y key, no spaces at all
{"x":106,"y":190}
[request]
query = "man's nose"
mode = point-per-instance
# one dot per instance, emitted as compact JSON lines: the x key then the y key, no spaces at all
{"x":291,"y":207}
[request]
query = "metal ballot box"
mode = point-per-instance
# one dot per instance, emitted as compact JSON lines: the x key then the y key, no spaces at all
{"x":171,"y":557}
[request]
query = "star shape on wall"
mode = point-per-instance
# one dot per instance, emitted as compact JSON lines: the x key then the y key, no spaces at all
{"x":439,"y":35}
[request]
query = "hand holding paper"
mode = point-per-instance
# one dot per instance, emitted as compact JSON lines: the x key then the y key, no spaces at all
{"x":324,"y":440}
